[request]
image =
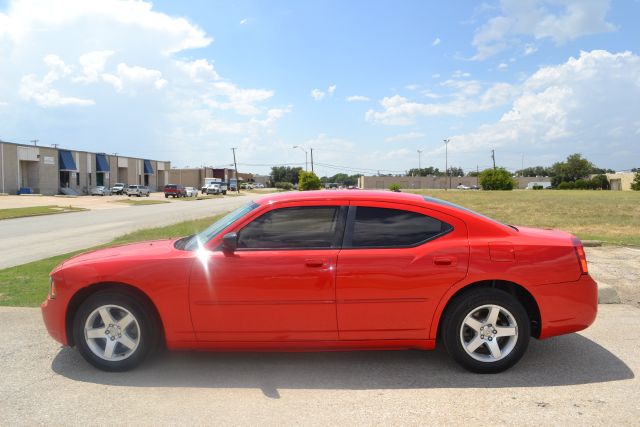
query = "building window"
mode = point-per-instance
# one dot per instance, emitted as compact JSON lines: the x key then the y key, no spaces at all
{"x":77,"y":178}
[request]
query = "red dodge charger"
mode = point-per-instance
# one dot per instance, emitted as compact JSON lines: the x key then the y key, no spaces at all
{"x":328,"y":270}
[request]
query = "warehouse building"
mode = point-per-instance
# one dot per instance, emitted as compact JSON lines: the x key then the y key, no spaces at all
{"x":194,"y":177}
{"x":34,"y":169}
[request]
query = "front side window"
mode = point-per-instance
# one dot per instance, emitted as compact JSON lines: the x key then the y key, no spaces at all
{"x":308,"y":227}
{"x":387,"y":228}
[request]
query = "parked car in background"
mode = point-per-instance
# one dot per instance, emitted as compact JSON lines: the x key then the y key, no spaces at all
{"x":462,"y":187}
{"x":118,"y":188}
{"x":138,"y":190}
{"x":216,"y":188}
{"x":174,"y":190}
{"x":259,"y":185}
{"x":191,"y":192}
{"x":100,"y":190}
{"x":338,"y":270}
{"x":475,"y":187}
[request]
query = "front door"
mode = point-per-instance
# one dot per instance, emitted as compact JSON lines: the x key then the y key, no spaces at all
{"x":396,"y":263}
{"x":279,"y":285}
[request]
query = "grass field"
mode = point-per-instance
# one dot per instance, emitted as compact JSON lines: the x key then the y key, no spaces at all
{"x":609,"y":216}
{"x":27,"y":285}
{"x":36,"y":210}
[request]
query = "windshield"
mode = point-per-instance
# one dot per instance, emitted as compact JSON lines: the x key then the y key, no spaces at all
{"x":214,"y":229}
{"x":462,"y":208}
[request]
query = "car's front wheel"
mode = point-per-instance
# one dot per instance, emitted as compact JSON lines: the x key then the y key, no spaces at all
{"x":114,"y":331}
{"x":486,"y":330}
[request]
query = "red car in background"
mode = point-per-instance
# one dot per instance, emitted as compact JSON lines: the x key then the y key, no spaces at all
{"x":328,"y":270}
{"x":174,"y":190}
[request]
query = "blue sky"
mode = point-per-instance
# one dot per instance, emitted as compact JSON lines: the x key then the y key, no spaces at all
{"x":365,"y":84}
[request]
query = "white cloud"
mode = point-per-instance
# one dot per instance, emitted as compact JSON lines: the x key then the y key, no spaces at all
{"x":436,"y":41}
{"x":460,"y":74}
{"x":331,"y":89}
{"x":243,"y":21}
{"x":540,"y":19}
{"x":357,"y":98}
{"x":467,"y":98}
{"x":435,"y":76}
{"x":317,"y":94}
{"x":530,"y":49}
{"x":405,"y":137}
{"x":41,"y":90}
{"x":93,"y":64}
{"x":503,"y":66}
{"x":199,"y":70}
{"x":586,"y":104}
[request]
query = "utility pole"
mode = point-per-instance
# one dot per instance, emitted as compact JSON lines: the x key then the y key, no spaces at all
{"x":493,"y":157}
{"x":55,"y":145}
{"x":235,"y":166}
{"x":35,"y":141}
{"x":522,"y":166}
{"x":446,"y":163}
{"x":311,"y":159}
{"x":420,"y":162}
{"x":477,"y":175}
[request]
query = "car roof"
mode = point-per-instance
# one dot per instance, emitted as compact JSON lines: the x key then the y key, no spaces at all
{"x":380,"y":195}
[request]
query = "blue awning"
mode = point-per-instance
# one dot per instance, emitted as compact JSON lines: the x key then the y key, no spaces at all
{"x":66,"y":161}
{"x":101,"y":163}
{"x":148,"y":170}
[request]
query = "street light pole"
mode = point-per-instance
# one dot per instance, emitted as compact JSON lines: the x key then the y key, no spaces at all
{"x":420,"y":162}
{"x":235,"y":166}
{"x":446,"y":162}
{"x":305,"y":156}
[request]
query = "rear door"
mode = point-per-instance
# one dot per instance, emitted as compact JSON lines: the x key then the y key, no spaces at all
{"x":397,"y":261}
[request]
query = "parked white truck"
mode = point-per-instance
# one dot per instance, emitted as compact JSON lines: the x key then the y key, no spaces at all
{"x":214,"y":186}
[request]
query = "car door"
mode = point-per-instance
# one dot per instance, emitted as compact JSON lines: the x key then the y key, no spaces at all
{"x":279,"y":285}
{"x":396,"y":262}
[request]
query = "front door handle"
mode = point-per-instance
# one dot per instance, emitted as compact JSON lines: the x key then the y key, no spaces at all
{"x":314,"y":262}
{"x":444,"y":260}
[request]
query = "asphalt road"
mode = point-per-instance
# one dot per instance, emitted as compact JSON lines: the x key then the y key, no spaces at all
{"x":578,"y":379}
{"x":28,"y":239}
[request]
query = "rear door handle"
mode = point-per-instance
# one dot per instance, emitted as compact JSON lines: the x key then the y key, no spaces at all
{"x":444,"y":260}
{"x":314,"y":262}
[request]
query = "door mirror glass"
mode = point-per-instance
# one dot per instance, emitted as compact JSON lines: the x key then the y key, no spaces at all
{"x":230,"y":242}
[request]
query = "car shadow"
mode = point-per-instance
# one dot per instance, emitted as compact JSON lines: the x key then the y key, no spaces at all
{"x":568,"y":360}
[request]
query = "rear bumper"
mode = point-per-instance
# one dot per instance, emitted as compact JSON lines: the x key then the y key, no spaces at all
{"x":54,"y":319}
{"x":566,"y":307}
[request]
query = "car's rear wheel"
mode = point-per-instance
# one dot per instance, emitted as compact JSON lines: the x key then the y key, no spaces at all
{"x":486,"y":330}
{"x":114,"y":331}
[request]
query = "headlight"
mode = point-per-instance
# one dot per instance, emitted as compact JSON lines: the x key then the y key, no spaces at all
{"x":52,"y":288}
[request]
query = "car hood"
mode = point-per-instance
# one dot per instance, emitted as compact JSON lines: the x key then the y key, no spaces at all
{"x":131,"y":252}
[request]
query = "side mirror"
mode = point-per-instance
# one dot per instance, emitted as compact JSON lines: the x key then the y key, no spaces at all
{"x":230,"y":242}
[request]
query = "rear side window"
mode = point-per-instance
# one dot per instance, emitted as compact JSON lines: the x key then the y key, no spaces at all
{"x":310,"y":227}
{"x":387,"y":228}
{"x":170,"y":187}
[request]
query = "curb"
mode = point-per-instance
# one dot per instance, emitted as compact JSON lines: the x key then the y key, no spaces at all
{"x":607,"y":294}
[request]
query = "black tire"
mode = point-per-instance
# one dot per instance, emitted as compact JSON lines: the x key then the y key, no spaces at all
{"x":147,"y":333}
{"x":454,"y":336}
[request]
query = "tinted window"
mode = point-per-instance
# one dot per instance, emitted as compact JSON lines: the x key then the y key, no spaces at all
{"x":379,"y":227}
{"x":170,"y":187}
{"x":294,"y":228}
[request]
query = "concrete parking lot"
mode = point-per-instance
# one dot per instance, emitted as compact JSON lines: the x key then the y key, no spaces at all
{"x":589,"y":378}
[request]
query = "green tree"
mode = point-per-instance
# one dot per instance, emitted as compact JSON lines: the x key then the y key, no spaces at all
{"x":574,"y":168}
{"x":285,"y":174}
{"x":394,"y":187}
{"x":425,"y":171}
{"x":496,"y":179}
{"x":535,"y":171}
{"x":600,"y":182}
{"x":635,"y":185}
{"x":308,"y":181}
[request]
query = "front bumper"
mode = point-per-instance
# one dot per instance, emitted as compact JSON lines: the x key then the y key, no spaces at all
{"x":53,"y":314}
{"x":566,"y":307}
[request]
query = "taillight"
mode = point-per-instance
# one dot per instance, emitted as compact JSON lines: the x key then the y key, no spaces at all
{"x":582,"y":258}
